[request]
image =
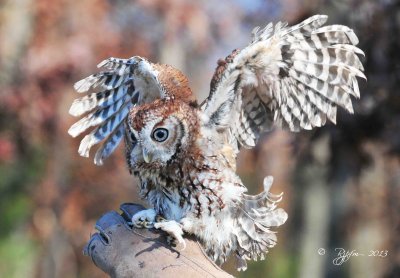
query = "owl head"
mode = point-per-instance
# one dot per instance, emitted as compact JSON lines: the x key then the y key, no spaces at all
{"x":158,"y":133}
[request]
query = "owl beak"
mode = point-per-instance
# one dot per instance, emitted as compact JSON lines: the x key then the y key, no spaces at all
{"x":147,"y":156}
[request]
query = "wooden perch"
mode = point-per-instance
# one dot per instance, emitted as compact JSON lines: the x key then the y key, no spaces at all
{"x":122,"y":251}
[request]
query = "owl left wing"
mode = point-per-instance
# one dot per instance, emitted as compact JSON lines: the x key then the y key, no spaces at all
{"x":111,"y":93}
{"x":294,"y":77}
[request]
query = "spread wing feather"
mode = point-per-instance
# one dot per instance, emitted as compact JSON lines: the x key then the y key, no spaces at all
{"x":110,"y":95}
{"x":294,"y":77}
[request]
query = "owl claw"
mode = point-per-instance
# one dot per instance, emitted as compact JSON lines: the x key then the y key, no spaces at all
{"x":174,"y":229}
{"x":144,"y":219}
{"x":180,"y":245}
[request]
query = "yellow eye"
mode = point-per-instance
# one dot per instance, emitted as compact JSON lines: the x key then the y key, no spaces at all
{"x":160,"y":134}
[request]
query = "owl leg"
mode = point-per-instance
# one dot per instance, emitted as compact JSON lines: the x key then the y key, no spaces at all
{"x":144,"y":218}
{"x":174,"y":229}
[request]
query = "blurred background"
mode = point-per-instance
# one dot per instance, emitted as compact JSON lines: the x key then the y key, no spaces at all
{"x":341,"y":183}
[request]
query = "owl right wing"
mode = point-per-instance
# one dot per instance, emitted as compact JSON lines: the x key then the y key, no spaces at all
{"x":293,"y":77}
{"x":112,"y":93}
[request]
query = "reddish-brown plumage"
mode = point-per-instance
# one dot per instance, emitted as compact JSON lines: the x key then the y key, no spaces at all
{"x":222,"y":64}
{"x":140,"y":115}
{"x":175,"y":83}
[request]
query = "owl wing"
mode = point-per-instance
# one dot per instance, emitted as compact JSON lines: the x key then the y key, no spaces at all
{"x":110,"y":95}
{"x":294,"y":77}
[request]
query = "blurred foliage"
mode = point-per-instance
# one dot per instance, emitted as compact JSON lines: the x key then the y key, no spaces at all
{"x":16,"y":178}
{"x":341,"y":183}
{"x":17,"y":252}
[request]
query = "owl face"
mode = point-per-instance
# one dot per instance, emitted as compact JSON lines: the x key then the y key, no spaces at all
{"x":154,"y":136}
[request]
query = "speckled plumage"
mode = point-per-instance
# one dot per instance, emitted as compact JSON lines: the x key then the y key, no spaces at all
{"x":185,"y":155}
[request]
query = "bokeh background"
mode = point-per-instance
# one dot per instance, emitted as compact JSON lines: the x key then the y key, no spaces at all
{"x":341,"y":183}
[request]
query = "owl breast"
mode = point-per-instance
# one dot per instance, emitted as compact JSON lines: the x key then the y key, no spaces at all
{"x":164,"y":191}
{"x":190,"y":188}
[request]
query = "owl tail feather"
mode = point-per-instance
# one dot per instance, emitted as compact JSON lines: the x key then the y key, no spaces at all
{"x":258,"y":214}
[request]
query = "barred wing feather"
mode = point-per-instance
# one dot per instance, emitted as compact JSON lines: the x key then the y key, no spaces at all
{"x":294,"y":77}
{"x":110,"y":95}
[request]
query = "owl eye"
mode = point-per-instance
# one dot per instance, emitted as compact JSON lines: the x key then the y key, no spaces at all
{"x":160,"y":134}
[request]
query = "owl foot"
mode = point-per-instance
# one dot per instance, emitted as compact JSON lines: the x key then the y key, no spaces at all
{"x":174,"y":229}
{"x":144,"y":219}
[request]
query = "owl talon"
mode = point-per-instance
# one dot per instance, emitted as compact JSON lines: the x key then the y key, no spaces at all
{"x":180,"y":245}
{"x":172,"y":241}
{"x":160,"y":218}
{"x":174,"y":229}
{"x":144,"y":219}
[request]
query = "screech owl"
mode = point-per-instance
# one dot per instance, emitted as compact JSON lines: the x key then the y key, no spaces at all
{"x":184,"y":154}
